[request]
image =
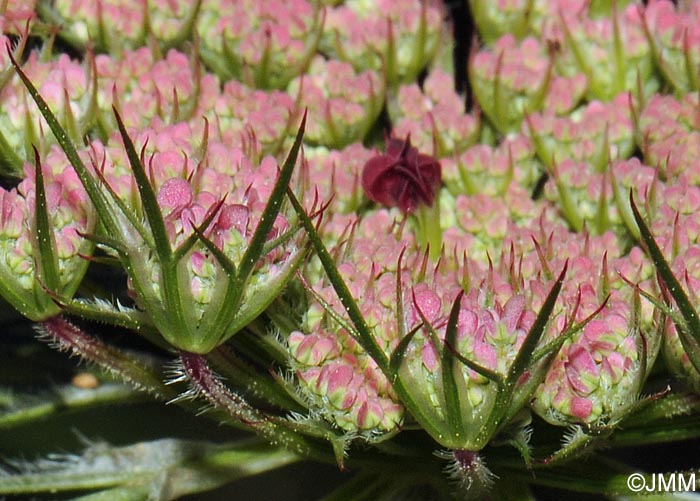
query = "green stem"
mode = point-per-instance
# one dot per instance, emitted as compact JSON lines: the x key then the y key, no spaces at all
{"x":429,"y":232}
{"x":169,"y":468}
{"x":70,"y":398}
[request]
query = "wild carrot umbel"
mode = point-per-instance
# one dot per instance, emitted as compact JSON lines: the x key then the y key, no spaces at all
{"x":444,"y":247}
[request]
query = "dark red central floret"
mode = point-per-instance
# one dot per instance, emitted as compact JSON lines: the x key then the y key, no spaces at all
{"x":402,"y":177}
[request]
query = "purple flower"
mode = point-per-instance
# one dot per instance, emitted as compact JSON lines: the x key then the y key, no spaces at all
{"x":402,"y":177}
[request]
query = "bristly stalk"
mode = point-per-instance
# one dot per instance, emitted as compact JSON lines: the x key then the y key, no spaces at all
{"x":68,"y":337}
{"x":206,"y":383}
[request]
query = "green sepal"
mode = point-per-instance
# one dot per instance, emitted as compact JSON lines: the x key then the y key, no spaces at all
{"x":70,"y":123}
{"x":623,"y":207}
{"x":254,"y":305}
{"x":224,"y":261}
{"x":579,"y":57}
{"x":104,"y":312}
{"x":19,"y":297}
{"x":216,"y":63}
{"x":656,"y":54}
{"x":232,"y":69}
{"x":105,"y":242}
{"x":666,"y":409}
{"x":102,"y":40}
{"x":10,"y":162}
{"x":478,"y":368}
{"x":568,"y":205}
{"x":365,"y":337}
{"x":125,"y":212}
{"x":89,"y":118}
{"x":282,"y":239}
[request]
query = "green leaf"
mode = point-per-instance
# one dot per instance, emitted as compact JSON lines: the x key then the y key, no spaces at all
{"x":671,"y":406}
{"x":524,"y":357}
{"x":254,"y":304}
{"x":118,"y":315}
{"x":661,"y":431}
{"x":47,"y":260}
{"x":184,"y":33}
{"x":10,"y":162}
{"x":689,"y":329}
{"x":45,"y":244}
{"x":453,"y":409}
{"x":133,"y":219}
{"x":569,"y":206}
{"x":198,"y":234}
{"x":399,"y":353}
{"x":595,"y":475}
{"x":272,"y":209}
{"x":149,"y":200}
{"x":478,"y":368}
{"x":506,"y":405}
{"x":365,"y":336}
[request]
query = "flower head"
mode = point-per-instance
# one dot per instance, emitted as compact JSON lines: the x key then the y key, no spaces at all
{"x":146,"y":88}
{"x":263,"y":44}
{"x":402,"y":177}
{"x":513,"y":79}
{"x":395,"y":37}
{"x":591,"y":47}
{"x":65,"y":85}
{"x":597,"y":375}
{"x":260,"y":120}
{"x":113,"y":25}
{"x":205,"y":212}
{"x":670,"y":131}
{"x":595,"y":133}
{"x":674,"y":35}
{"x":41,"y":226}
{"x":343,"y":104}
{"x":434,"y":116}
